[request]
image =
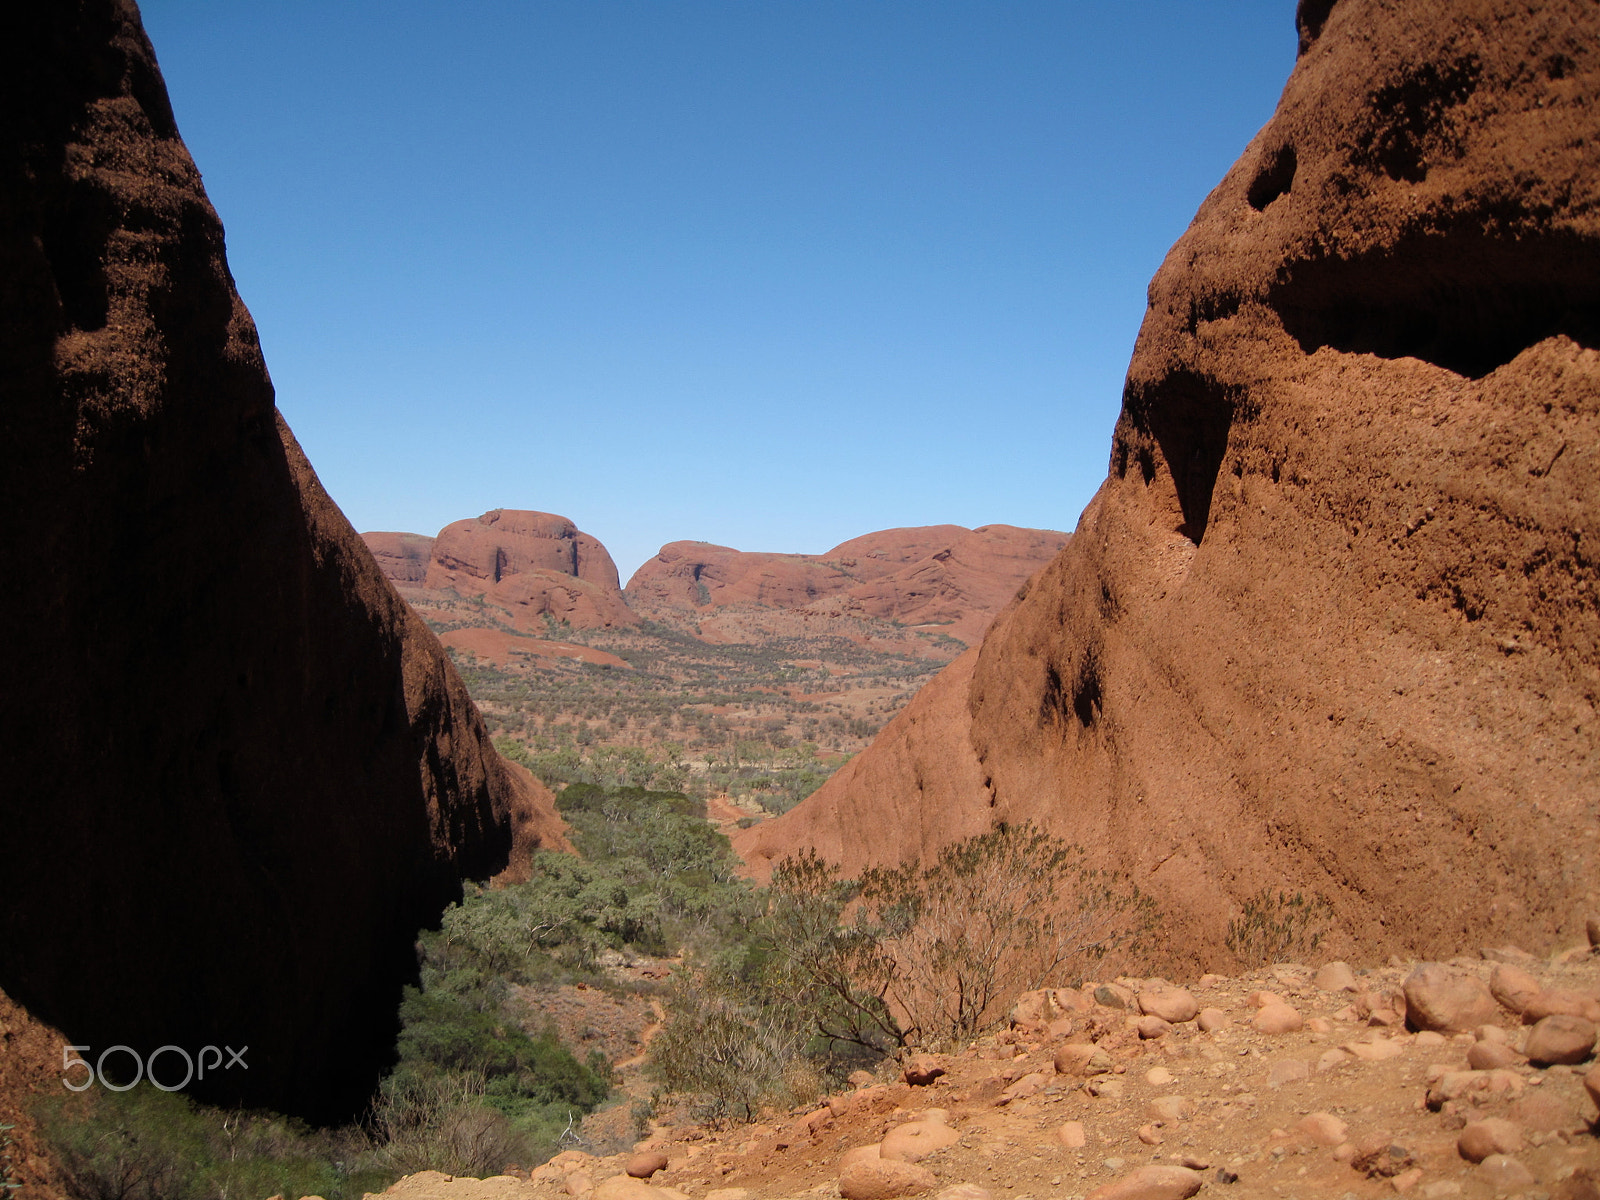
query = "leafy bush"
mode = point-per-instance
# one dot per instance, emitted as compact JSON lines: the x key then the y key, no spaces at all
{"x":146,"y":1144}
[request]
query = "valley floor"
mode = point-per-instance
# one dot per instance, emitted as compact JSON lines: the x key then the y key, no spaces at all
{"x":1349,"y":1104}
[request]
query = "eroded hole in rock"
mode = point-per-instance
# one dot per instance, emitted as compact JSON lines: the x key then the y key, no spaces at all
{"x":73,"y":236}
{"x":1274,"y":179}
{"x":1086,"y":693}
{"x":1309,"y":18}
{"x":1189,"y":416}
{"x":1465,"y":302}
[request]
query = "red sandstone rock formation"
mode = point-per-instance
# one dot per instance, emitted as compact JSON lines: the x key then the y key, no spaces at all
{"x":939,"y":575}
{"x":530,"y":564}
{"x":1330,"y":623}
{"x":240,"y":772}
{"x":402,"y":557}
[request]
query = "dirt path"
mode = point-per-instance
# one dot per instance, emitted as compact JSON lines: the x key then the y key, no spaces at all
{"x":645,"y":1038}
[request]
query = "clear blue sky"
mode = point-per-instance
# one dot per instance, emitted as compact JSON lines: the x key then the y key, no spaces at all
{"x":771,"y":273}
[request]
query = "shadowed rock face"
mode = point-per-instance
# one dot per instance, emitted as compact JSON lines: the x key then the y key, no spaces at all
{"x":1331,"y":622}
{"x":240,"y":773}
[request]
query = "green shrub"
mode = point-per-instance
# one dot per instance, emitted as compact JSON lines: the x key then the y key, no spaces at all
{"x":146,"y":1144}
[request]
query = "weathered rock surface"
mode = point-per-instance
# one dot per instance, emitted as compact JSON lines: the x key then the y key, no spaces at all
{"x":241,"y":773}
{"x":1446,"y":1000}
{"x":1328,"y":624}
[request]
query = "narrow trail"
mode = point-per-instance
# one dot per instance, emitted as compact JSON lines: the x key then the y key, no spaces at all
{"x":645,"y":1037}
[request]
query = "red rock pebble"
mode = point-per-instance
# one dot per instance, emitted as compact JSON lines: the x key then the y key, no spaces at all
{"x":1278,"y":1018}
{"x":1486,"y":1056}
{"x":915,"y":1140}
{"x":1082,"y":1059}
{"x":1336,"y":977}
{"x":1561,"y":1002}
{"x":1591,"y":1083}
{"x":1153,"y":1027}
{"x":1176,"y":1005}
{"x":1324,"y":1129}
{"x":1212,"y":1019}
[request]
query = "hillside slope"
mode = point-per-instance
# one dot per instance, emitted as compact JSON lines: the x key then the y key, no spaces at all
{"x":1331,"y":622}
{"x":241,"y":773}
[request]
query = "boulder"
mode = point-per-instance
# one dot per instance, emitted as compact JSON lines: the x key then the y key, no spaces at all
{"x":915,"y":1140}
{"x":1336,"y":977}
{"x":1277,"y":1019}
{"x":1560,"y":1039}
{"x":1513,"y":987}
{"x":1439,"y":997}
{"x":1152,"y":1183}
{"x":884,"y":1179}
{"x":1490,"y":1135}
{"x":1175,"y":1005}
{"x":646,"y":1163}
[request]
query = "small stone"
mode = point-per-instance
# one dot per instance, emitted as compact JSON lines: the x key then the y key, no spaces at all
{"x":1260,"y":999}
{"x":915,"y":1140}
{"x":1212,"y":1019}
{"x":1560,"y":1039}
{"x":1439,"y":1189}
{"x":1112,"y":995}
{"x":1513,"y":987}
{"x":1331,"y":1059}
{"x":1591,"y":1084}
{"x":1324,"y":1129}
{"x":1287,"y":1070}
{"x":1171,"y":1108}
{"x":1336,"y":977}
{"x":1174,"y":1005}
{"x":1491,"y":1135}
{"x":922,"y":1069}
{"x":1107,"y":1087}
{"x":1150,"y":1135}
{"x":1152,"y":1183}
{"x":960,"y":1191}
{"x":1081,"y":1059}
{"x":1319,"y":1025}
{"x":1505,"y":1174}
{"x":1380,"y":1156}
{"x":734,"y":1193}
{"x":1428,"y":1038}
{"x":1072,"y":1135}
{"x":1486,"y":1056}
{"x":646,"y":1164}
{"x":1278,"y":1018}
{"x":884,"y":1179}
{"x":1473,"y":1087}
{"x":1158,"y":1077}
{"x":1450,"y":1001}
{"x":1151,"y":1028}
{"x":1406,"y":1180}
{"x":1492,"y":1033}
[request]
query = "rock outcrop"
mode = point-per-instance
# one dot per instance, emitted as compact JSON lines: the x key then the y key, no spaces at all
{"x":532,"y":565}
{"x":1330,"y":624}
{"x":241,"y":773}
{"x":942,"y":576}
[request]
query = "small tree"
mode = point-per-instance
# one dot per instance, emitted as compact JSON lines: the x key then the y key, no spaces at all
{"x":995,"y":916}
